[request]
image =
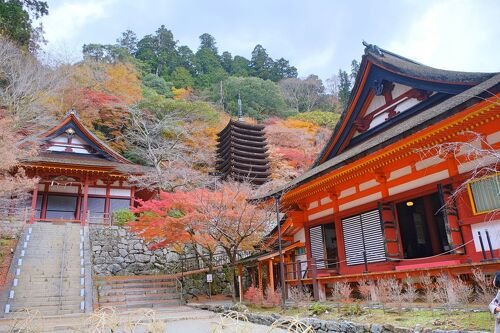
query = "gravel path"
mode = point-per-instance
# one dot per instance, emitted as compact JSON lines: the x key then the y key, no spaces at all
{"x":181,"y":319}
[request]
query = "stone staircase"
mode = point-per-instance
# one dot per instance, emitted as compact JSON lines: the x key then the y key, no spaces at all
{"x":145,"y":291}
{"x":49,"y":276}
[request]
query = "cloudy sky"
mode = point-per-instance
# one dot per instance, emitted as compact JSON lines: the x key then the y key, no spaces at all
{"x":317,"y":36}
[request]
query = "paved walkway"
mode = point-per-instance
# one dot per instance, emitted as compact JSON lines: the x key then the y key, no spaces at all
{"x":180,"y":319}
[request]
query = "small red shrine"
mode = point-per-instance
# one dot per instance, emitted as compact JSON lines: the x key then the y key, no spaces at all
{"x":372,"y":206}
{"x":81,"y":178}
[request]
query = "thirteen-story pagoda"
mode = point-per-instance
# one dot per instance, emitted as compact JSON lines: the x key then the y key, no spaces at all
{"x":242,"y":153}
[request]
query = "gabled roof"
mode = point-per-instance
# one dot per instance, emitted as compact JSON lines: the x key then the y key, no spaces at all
{"x":379,"y":66}
{"x":91,"y":152}
{"x":454,"y":92}
{"x":72,"y":121}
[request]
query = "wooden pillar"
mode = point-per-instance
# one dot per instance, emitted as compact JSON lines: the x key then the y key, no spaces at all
{"x":107,"y":215}
{"x":450,"y":215}
{"x":33,"y":204}
{"x":259,"y":275}
{"x":43,"y":213}
{"x":132,"y":197}
{"x":271,"y":275}
{"x":79,"y":203}
{"x":308,"y":252}
{"x":390,"y":228}
{"x":321,"y":292}
{"x":85,"y":200}
{"x":314,"y":280}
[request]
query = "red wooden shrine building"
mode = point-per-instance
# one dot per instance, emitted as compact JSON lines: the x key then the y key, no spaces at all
{"x":81,"y":178}
{"x":370,"y":206}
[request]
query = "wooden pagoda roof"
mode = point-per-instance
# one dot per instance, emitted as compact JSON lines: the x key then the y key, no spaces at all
{"x":242,"y":152}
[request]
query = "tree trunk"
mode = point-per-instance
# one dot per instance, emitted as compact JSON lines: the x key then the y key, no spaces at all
{"x":231,"y":272}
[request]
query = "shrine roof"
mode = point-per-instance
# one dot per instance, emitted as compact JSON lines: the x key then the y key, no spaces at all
{"x":410,"y":68}
{"x":404,"y":128}
{"x":71,"y":143}
{"x":70,"y":160}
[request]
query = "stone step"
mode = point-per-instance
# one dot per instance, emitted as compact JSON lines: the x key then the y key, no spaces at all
{"x":42,"y":301}
{"x":139,"y":297}
{"x":39,"y":284}
{"x":138,"y":285}
{"x":141,"y":304}
{"x":45,"y":310}
{"x":136,"y":291}
{"x":134,"y":280}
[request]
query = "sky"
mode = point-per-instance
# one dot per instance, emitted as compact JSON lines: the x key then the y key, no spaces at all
{"x":316,"y":36}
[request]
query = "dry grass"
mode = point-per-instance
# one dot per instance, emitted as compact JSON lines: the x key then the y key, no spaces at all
{"x":28,"y":321}
{"x":290,"y":324}
{"x":231,"y":321}
{"x":433,"y":319}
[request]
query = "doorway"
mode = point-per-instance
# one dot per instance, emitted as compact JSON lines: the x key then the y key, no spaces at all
{"x":61,"y":207}
{"x":422,"y":227}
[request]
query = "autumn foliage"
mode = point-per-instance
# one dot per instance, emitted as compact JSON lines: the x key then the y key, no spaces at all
{"x":223,"y":218}
{"x":216,"y":221}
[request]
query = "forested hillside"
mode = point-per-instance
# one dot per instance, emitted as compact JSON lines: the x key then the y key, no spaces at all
{"x":161,"y":104}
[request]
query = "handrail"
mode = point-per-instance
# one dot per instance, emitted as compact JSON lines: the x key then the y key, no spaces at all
{"x":295,"y":269}
{"x":181,"y":299}
{"x":63,"y":258}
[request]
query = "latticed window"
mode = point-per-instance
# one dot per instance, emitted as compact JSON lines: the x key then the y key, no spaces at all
{"x":485,"y":194}
{"x":363,"y":233}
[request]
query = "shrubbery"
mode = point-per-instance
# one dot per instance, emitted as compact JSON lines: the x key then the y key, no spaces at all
{"x":122,"y":217}
{"x":320,"y":118}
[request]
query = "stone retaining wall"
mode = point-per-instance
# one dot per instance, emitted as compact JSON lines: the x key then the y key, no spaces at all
{"x":11,"y":228}
{"x":115,"y":251}
{"x":325,"y":326}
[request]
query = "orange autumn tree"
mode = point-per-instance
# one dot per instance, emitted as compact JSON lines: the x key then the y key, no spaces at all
{"x":221,"y":220}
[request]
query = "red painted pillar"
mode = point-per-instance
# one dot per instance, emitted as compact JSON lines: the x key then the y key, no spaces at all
{"x":107,"y":215}
{"x":33,"y":204}
{"x":132,"y":197}
{"x":85,"y":199}
{"x":79,"y":203}
{"x":271,"y":275}
{"x":45,"y":201}
{"x":259,"y":275}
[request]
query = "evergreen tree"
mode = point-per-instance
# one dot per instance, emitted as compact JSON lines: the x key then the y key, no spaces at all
{"x":354,"y":70}
{"x":186,"y":59}
{"x":181,"y":78}
{"x":240,"y":66}
{"x":344,"y":88}
{"x":281,"y":69}
{"x":128,"y":40}
{"x":16,"y":22}
{"x":227,"y":62}
{"x":208,"y":41}
{"x":158,"y":51}
{"x":261,"y":63}
{"x":261,"y":98}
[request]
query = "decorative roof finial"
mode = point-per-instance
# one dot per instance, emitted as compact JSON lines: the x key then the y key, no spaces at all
{"x":73,"y":112}
{"x":372,"y":48}
{"x":240,"y":111}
